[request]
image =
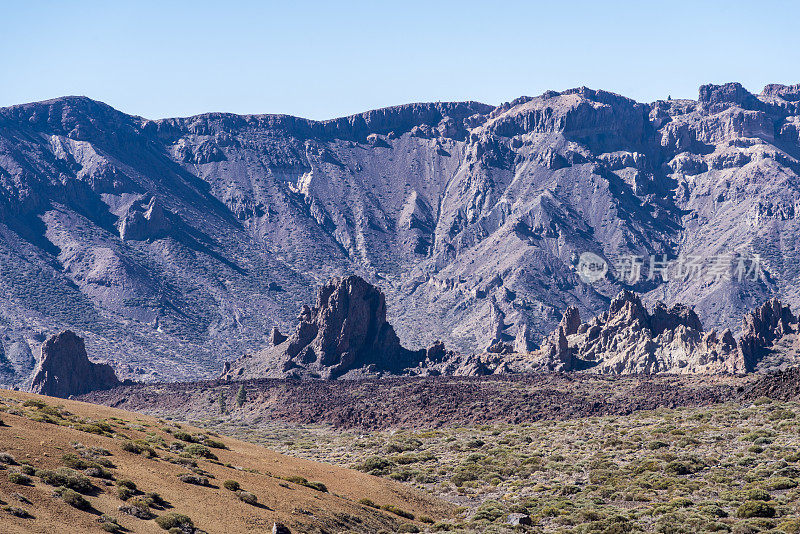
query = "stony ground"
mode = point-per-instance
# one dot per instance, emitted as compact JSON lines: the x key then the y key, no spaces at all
{"x":723,"y":468}
{"x":425,"y":402}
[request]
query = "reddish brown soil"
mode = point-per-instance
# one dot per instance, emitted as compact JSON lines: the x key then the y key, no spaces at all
{"x":430,"y":402}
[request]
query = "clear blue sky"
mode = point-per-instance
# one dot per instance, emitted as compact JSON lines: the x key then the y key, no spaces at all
{"x":328,"y":59}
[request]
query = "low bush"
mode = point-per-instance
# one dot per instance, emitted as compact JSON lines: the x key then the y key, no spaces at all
{"x":64,"y":476}
{"x":214,"y":444}
{"x":19,"y":478}
{"x":27,"y":469}
{"x":137,"y":508}
{"x":109,"y":524}
{"x":18,"y":512}
{"x":195,"y":449}
{"x":755,"y":509}
{"x":247,"y":497}
{"x":190,"y":478}
{"x":139,"y":447}
{"x":397,"y":511}
{"x":231,"y":485}
{"x":73,"y":498}
{"x":183,"y":436}
{"x":174,"y":520}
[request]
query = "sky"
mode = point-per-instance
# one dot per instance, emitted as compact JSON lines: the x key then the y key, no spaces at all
{"x":328,"y":59}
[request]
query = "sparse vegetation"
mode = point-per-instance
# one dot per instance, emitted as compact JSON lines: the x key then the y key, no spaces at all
{"x":174,"y":520}
{"x":64,"y":476}
{"x":677,"y":471}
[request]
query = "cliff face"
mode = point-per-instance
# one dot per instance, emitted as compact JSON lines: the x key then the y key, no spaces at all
{"x":64,"y":369}
{"x":172,"y":237}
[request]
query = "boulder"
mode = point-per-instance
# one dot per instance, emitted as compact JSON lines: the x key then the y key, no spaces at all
{"x":519,"y":519}
{"x":64,"y":369}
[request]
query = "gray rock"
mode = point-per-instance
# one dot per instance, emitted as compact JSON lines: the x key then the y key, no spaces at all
{"x":519,"y":519}
{"x":64,"y":369}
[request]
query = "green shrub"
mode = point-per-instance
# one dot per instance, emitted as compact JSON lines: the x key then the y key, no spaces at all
{"x":184,"y":436}
{"x":397,"y":511}
{"x":7,"y":459}
{"x":231,"y":485}
{"x":376,"y":465}
{"x":247,"y":497}
{"x":489,"y":511}
{"x":125,"y":483}
{"x":27,"y":469}
{"x":154,"y":499}
{"x":780,"y":483}
{"x":174,"y":520}
{"x":195,"y":449}
{"x":64,"y":476}
{"x":75,"y":462}
{"x":214,"y":444}
{"x":125,"y":493}
{"x":368,"y":502}
{"x":758,"y":494}
{"x":408,"y":527}
{"x":73,"y":498}
{"x":19,"y":478}
{"x":139,"y":447}
{"x":755,"y":509}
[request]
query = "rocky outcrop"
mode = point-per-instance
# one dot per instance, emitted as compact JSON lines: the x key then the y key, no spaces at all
{"x":762,"y":327}
{"x":345,"y":333}
{"x":143,"y":222}
{"x":276,"y":338}
{"x":629,"y":339}
{"x":64,"y":369}
{"x":790,"y":93}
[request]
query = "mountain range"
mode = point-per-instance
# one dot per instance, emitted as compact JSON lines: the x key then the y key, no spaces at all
{"x":174,"y":245}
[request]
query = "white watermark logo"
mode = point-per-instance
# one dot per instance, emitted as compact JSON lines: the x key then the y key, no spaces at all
{"x":632,"y":268}
{"x":591,"y":267}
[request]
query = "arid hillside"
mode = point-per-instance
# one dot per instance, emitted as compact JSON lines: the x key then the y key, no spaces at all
{"x":73,"y":467}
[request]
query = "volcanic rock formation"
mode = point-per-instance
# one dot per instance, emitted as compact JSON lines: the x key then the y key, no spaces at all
{"x":344,"y":335}
{"x":628,"y":339}
{"x":64,"y":369}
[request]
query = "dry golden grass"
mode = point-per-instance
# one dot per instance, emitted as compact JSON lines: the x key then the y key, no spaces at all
{"x":213,"y":509}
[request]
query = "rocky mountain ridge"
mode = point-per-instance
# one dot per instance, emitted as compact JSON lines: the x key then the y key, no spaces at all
{"x":172,"y":245}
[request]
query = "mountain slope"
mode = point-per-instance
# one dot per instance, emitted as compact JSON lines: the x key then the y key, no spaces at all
{"x":175,"y":244}
{"x":50,"y":434}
